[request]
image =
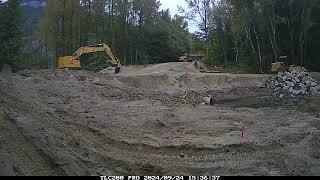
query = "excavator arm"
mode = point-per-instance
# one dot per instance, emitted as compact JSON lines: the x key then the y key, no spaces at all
{"x":97,"y":48}
{"x":74,"y":60}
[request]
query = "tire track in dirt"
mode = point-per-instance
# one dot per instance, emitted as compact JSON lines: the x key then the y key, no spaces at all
{"x":27,"y":159}
{"x":165,"y":158}
{"x":64,"y":127}
{"x":79,"y":137}
{"x":136,"y":157}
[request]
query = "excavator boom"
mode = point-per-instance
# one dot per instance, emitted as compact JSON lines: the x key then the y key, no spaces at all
{"x":73,"y":61}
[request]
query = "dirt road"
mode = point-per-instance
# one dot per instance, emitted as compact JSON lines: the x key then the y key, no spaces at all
{"x":81,"y":123}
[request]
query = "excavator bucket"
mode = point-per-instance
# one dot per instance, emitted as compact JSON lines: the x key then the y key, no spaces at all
{"x":68,"y":62}
{"x":277,"y":67}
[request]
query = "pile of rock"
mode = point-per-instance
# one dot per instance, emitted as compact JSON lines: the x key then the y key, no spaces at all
{"x":295,"y":83}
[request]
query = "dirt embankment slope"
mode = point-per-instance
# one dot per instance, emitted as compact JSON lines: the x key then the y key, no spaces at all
{"x":82,"y":123}
{"x":173,"y":77}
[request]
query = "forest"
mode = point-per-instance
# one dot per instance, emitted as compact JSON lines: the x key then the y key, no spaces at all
{"x":248,"y":34}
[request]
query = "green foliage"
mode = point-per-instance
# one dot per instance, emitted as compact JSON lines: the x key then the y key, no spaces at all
{"x":1,"y":34}
{"x":31,"y":19}
{"x":94,"y":62}
{"x":11,"y":35}
{"x":168,"y":39}
{"x":252,"y":34}
{"x":248,"y":35}
{"x":136,"y":30}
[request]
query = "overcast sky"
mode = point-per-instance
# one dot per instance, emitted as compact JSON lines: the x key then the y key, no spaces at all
{"x":172,"y":5}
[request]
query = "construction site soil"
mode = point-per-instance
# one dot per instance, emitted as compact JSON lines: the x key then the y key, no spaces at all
{"x":152,"y":120}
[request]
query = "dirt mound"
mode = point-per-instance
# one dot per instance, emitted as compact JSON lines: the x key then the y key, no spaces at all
{"x":178,"y":76}
{"x":174,"y":67}
{"x":191,"y":81}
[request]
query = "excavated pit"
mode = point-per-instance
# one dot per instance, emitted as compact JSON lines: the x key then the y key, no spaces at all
{"x":195,"y":81}
{"x":182,"y":76}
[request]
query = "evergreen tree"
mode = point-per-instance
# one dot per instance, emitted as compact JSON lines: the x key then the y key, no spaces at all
{"x":250,"y":34}
{"x":1,"y":34}
{"x":136,"y":30}
{"x":12,"y":35}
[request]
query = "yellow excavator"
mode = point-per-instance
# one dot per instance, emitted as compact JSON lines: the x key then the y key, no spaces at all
{"x":73,"y":62}
{"x":280,"y":67}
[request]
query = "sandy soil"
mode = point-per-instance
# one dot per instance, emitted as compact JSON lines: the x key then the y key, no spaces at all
{"x":81,"y":123}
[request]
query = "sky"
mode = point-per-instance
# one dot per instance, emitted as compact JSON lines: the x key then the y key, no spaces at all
{"x":172,"y":5}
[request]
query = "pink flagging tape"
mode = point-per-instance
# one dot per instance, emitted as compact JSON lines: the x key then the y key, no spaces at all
{"x":245,"y":139}
{"x":242,"y":132}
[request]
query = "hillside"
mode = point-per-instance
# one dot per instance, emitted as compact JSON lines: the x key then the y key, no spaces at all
{"x":33,"y":11}
{"x":33,"y":3}
{"x":30,"y":3}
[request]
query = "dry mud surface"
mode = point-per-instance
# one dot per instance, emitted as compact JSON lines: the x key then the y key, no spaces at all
{"x":82,"y":123}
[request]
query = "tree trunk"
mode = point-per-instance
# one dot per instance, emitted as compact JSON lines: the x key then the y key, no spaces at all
{"x":112,"y":24}
{"x":273,"y":47}
{"x":57,"y":35}
{"x":303,"y":35}
{"x":250,"y":39}
{"x":223,"y":48}
{"x":47,"y":63}
{"x":301,"y":49}
{"x":125,"y":19}
{"x":273,"y":30}
{"x":259,"y":50}
{"x":241,"y":49}
{"x":137,"y":52}
{"x":237,"y":51}
{"x":77,"y":31}
{"x":89,"y":24}
{"x":291,"y":33}
{"x":140,"y":35}
{"x":71,"y":32}
{"x":63,"y":29}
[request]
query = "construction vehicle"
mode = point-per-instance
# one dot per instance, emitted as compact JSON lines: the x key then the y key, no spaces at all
{"x":277,"y":67}
{"x":73,"y":62}
{"x":280,"y":67}
{"x":191,"y":57}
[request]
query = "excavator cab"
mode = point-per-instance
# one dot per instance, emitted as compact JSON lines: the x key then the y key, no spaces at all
{"x":68,"y":62}
{"x":73,"y":62}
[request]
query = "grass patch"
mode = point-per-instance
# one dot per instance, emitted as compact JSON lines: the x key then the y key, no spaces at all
{"x":256,"y":102}
{"x":303,"y":104}
{"x":313,"y":105}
